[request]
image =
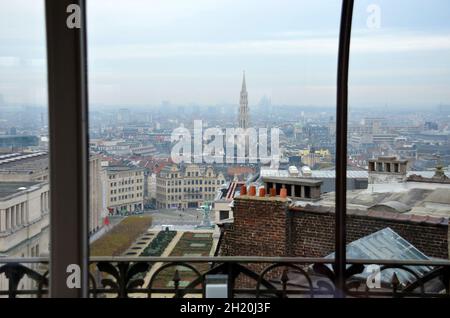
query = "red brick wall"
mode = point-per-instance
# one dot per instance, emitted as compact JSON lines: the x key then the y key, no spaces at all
{"x":266,"y":227}
{"x":312,"y":234}
{"x":315,"y":231}
{"x":259,"y":228}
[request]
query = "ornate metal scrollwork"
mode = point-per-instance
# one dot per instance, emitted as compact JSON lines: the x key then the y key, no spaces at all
{"x":123,"y":275}
{"x":178,"y":293}
{"x":284,"y":279}
{"x":123,"y":278}
{"x":15,"y":272}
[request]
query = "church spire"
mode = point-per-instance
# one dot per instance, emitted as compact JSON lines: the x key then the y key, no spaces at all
{"x":243,"y":106}
{"x":244,"y":86}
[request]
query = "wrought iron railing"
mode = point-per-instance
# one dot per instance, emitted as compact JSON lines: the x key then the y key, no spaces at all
{"x":258,"y":277}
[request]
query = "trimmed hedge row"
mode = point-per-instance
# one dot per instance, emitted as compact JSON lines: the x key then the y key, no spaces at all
{"x":159,"y":243}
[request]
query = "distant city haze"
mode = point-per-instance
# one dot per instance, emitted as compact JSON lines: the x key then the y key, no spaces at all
{"x":143,"y":53}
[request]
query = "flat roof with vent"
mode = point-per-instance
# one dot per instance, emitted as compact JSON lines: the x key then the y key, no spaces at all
{"x":9,"y":188}
{"x":294,"y":180}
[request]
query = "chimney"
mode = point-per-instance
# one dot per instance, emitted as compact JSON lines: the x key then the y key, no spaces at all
{"x":294,"y":187}
{"x":387,"y":169}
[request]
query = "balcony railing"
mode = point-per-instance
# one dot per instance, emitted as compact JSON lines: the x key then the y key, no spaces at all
{"x":258,"y":277}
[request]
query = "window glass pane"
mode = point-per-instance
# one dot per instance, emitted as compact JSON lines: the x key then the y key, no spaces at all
{"x":160,"y":67}
{"x":24,"y":174}
{"x":399,"y":146}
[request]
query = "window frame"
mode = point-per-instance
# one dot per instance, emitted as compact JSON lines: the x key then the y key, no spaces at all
{"x":69,"y":154}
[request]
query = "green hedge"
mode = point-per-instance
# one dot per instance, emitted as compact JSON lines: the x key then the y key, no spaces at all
{"x":159,"y":243}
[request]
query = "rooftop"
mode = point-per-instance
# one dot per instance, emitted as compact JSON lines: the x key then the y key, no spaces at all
{"x":402,"y":198}
{"x":24,"y":162}
{"x":325,"y":174}
{"x":122,"y":168}
{"x":294,"y":180}
{"x":10,"y":188}
{"x":183,"y":169}
{"x":389,"y":158}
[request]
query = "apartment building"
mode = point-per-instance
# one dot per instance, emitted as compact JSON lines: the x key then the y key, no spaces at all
{"x":187,"y":187}
{"x":124,"y":187}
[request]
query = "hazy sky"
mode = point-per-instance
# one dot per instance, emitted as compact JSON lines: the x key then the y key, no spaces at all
{"x":142,"y":52}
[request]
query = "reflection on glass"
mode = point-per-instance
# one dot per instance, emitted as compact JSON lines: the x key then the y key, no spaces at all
{"x":399,"y":144}
{"x":24,"y":173}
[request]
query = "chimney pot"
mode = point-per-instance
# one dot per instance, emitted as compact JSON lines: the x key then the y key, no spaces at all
{"x":273,"y":192}
{"x":262,"y":192}
{"x":252,"y":191}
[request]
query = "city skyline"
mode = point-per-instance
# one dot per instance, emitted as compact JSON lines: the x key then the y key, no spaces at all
{"x":194,"y":53}
{"x":208,"y":155}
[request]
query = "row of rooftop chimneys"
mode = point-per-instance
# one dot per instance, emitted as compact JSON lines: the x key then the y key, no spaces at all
{"x":303,"y":189}
{"x":262,"y":191}
{"x":394,"y":166}
{"x":388,"y":164}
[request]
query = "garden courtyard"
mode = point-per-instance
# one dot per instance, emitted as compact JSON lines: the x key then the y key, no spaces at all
{"x":135,"y":237}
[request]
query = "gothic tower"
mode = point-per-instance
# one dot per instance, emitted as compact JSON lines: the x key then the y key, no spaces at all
{"x":243,"y":106}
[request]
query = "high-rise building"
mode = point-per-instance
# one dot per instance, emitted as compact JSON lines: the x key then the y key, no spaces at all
{"x":243,"y":106}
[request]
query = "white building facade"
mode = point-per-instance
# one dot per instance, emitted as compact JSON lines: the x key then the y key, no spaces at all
{"x":188,"y":187}
{"x":24,"y":222}
{"x":124,"y":189}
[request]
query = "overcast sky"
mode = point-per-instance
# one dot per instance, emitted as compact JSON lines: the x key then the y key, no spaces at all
{"x":142,"y":52}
